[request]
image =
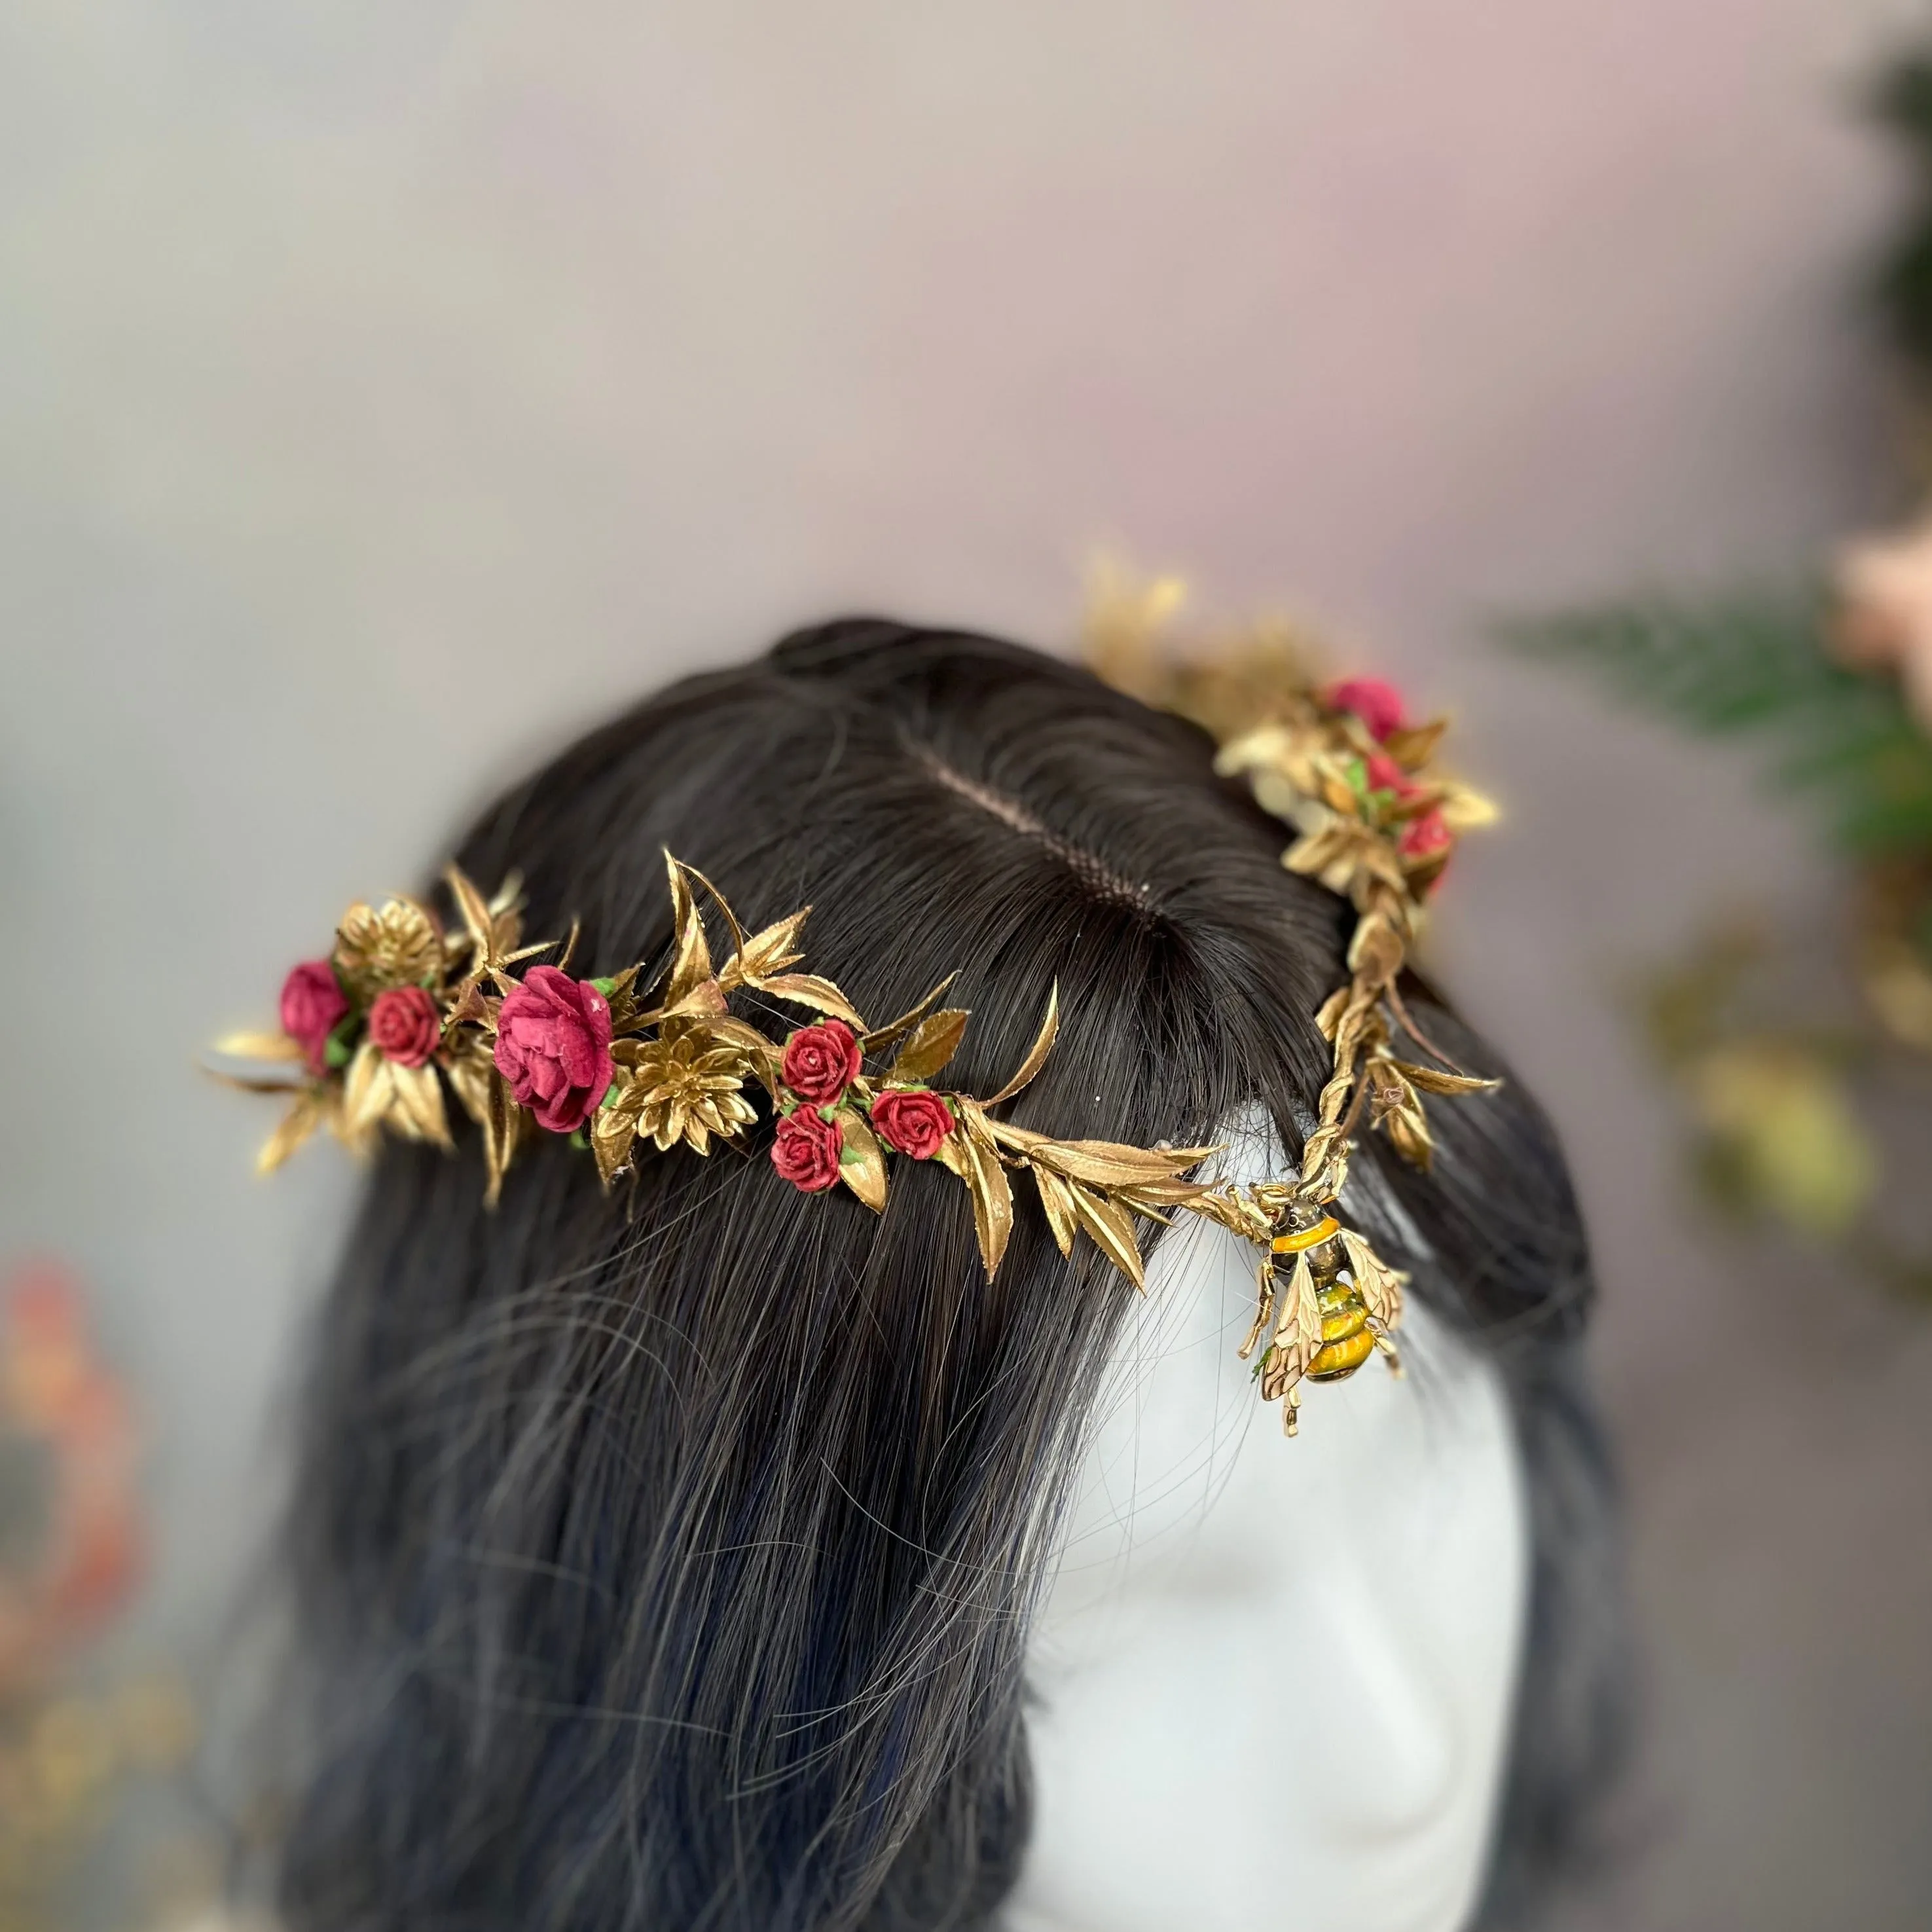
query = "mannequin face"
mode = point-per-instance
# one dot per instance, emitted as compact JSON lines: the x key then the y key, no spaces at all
{"x":1272,"y":1679}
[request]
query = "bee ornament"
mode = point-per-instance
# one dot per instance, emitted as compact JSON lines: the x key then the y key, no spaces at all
{"x":1327,"y":1303}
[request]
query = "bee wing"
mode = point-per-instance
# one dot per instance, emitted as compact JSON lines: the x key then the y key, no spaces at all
{"x":1379,"y":1285}
{"x":1297,"y":1334}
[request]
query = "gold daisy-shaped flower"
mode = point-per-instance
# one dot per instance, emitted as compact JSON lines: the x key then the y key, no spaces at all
{"x":687,"y":1087}
{"x":395,"y":945}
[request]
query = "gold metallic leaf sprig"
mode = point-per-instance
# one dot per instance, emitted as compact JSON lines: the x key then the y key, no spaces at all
{"x":1340,"y":763}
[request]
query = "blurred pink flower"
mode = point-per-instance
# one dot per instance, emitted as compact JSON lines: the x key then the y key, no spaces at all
{"x":1884,"y":617}
{"x":56,"y":1397}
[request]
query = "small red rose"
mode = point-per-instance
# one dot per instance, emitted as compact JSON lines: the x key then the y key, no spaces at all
{"x":1423,"y":838}
{"x":913,"y":1120}
{"x":553,"y":1048}
{"x":1377,"y":703}
{"x":1385,"y":775}
{"x":806,"y":1150}
{"x":821,"y":1061}
{"x":312,"y":1003}
{"x":405,"y":1025}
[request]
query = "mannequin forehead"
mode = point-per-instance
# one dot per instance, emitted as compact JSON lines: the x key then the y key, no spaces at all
{"x":1185,"y":1461}
{"x":1261,"y":1657}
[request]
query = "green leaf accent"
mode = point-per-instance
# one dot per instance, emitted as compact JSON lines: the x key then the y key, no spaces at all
{"x":335,"y":1052}
{"x":607,"y":985}
{"x":1759,"y":666}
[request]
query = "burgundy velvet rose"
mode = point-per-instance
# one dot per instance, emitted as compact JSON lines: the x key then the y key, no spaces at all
{"x":312,"y":1003}
{"x":821,"y":1061}
{"x":405,"y":1026}
{"x":806,"y":1150}
{"x":553,"y":1048}
{"x":1377,"y":703}
{"x":913,"y":1121}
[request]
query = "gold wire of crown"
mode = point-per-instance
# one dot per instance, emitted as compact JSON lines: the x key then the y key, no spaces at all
{"x":403,"y":1015}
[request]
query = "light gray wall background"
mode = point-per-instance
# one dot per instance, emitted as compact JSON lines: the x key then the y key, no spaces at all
{"x":386,"y":392}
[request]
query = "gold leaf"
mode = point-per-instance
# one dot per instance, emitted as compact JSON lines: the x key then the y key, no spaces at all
{"x":934,"y":1042}
{"x":705,"y":998}
{"x":1338,"y":794}
{"x":1389,"y":1090}
{"x":763,"y":1054}
{"x":690,"y":956}
{"x":1330,"y":1018}
{"x":469,"y":1070}
{"x":1112,"y":1228}
{"x":1107,"y":1163}
{"x":879,"y":1038}
{"x":295,"y":1127}
{"x":861,"y":1162}
{"x":1233,"y":1209}
{"x":416,"y":1107}
{"x":1408,"y":1130}
{"x":264,"y":1077}
{"x":1464,"y":810}
{"x":1056,"y":1197}
{"x":623,"y":998}
{"x":724,"y":906}
{"x":502,"y":1125}
{"x":1152,"y":1194}
{"x":1413,"y":745}
{"x":1315,"y":852}
{"x":767,"y":951}
{"x":1375,"y":953}
{"x":481,"y":928}
{"x":247,"y":1045}
{"x":1036,"y":1054}
{"x":612,"y":1131}
{"x":979,"y":1164}
{"x":1261,"y":749}
{"x":1432,"y":1081}
{"x":365,"y":1090}
{"x":808,"y":989}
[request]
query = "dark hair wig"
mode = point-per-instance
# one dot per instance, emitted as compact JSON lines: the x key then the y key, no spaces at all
{"x":665,"y":1561}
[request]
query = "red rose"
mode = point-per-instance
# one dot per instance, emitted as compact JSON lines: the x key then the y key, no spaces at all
{"x":1423,"y":838}
{"x":1385,"y":775}
{"x":1379,"y":705}
{"x":312,"y":1003}
{"x":405,"y":1025}
{"x":806,"y":1151}
{"x":913,"y":1120}
{"x":1428,"y":834}
{"x":554,"y":1047}
{"x":821,"y":1061}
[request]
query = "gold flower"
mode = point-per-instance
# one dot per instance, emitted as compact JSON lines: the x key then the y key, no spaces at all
{"x":398,"y":946}
{"x":687,"y":1086}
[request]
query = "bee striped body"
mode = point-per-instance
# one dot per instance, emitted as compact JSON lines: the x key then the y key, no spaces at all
{"x":1347,"y":1342}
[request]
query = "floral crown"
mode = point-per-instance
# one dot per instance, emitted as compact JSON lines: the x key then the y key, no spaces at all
{"x":403,"y":1015}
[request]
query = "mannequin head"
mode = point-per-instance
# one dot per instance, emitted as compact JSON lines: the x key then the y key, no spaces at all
{"x":1165,"y":1792}
{"x":672,"y":1560}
